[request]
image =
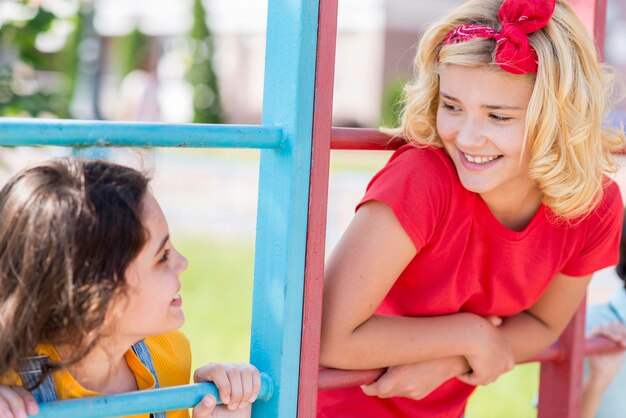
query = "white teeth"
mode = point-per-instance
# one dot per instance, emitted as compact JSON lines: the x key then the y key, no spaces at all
{"x":479,"y":159}
{"x":176,"y":297}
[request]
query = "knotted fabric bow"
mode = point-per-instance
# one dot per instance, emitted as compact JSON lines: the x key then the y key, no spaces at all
{"x":518,"y":18}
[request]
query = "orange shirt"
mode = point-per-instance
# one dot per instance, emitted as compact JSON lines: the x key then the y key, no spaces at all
{"x":171,"y":356}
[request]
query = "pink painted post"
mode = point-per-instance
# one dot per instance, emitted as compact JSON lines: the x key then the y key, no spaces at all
{"x":561,"y":380}
{"x":560,"y":387}
{"x":318,"y":202}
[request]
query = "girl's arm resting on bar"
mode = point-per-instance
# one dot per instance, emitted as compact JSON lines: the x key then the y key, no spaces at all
{"x":533,"y":330}
{"x":368,"y":259}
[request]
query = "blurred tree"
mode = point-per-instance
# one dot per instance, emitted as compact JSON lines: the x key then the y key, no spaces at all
{"x":132,"y":51}
{"x":392,"y":103}
{"x":37,"y":60}
{"x":206,"y":99}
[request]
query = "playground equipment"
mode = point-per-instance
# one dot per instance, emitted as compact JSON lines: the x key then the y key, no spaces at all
{"x":295,"y":138}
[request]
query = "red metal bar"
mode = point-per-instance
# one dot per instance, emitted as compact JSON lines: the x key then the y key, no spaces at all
{"x":335,"y":379}
{"x":318,"y":202}
{"x":601,"y":345}
{"x":371,"y":139}
{"x":363,"y":139}
{"x":560,"y":387}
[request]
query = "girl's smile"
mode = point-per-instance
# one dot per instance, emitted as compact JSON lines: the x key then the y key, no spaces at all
{"x":478,"y":162}
{"x":177,"y":301}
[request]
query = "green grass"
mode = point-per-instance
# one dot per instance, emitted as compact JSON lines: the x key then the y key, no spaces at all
{"x":511,"y":396}
{"x":217,"y":300}
{"x":358,"y":161}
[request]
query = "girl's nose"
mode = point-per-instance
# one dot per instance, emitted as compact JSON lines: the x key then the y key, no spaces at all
{"x":470,"y":135}
{"x":181,"y":264}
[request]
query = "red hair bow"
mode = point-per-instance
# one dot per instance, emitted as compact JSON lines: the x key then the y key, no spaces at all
{"x":518,"y":18}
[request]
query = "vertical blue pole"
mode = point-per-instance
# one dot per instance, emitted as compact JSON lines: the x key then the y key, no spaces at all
{"x":283,"y":201}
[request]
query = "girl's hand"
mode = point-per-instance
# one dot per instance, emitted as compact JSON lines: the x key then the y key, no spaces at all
{"x":16,"y":402}
{"x":492,"y":357}
{"x":417,"y":380}
{"x":238,"y":385}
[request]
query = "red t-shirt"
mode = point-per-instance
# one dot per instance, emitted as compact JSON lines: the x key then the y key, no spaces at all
{"x":469,"y":262}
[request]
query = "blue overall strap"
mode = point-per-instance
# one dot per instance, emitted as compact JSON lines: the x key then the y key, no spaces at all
{"x":141,"y":350}
{"x":30,"y":372}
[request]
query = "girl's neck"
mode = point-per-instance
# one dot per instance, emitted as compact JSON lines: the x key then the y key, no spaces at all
{"x":104,"y":369}
{"x":514,"y":210}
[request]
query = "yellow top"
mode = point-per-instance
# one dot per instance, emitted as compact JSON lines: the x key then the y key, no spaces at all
{"x":171,"y":356}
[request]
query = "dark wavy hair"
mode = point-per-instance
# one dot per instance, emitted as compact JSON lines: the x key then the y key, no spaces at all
{"x":69,"y":228}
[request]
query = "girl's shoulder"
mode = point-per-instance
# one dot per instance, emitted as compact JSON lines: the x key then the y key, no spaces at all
{"x":171,"y":355}
{"x":594,"y":241}
{"x":420,"y":185}
{"x":611,"y":196}
{"x":171,"y":343}
{"x":422,"y":158}
{"x":167,"y":339}
{"x":11,"y":378}
{"x":411,"y":169}
{"x":610,"y":207}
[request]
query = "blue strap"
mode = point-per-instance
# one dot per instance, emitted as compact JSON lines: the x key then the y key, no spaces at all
{"x":141,"y":350}
{"x":30,"y":371}
{"x":32,"y":368}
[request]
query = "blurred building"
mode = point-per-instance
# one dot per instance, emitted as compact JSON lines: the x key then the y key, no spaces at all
{"x":375,"y":46}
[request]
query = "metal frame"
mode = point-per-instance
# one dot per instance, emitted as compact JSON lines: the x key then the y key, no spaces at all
{"x":292,"y":185}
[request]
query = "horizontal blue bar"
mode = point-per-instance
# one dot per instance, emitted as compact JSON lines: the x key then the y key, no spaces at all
{"x":140,"y":402}
{"x":81,"y":133}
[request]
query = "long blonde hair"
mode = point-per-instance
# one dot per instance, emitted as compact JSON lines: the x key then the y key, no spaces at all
{"x":566,"y":132}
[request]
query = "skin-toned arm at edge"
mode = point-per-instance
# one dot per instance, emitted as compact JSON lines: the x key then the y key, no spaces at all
{"x":363,"y":267}
{"x":594,"y":388}
{"x":602,"y":368}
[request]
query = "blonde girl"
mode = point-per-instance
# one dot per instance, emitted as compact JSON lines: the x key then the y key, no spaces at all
{"x":473,"y":246}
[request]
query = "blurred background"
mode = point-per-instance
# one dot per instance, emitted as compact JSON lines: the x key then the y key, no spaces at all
{"x":180,"y":61}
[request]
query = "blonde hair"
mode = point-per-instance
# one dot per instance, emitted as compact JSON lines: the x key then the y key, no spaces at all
{"x":566,"y":133}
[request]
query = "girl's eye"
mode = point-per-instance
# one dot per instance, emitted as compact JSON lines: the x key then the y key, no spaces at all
{"x":499,"y":118}
{"x":449,"y":107}
{"x":165,"y":257}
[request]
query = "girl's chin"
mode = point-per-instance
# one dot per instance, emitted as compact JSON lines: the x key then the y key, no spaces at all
{"x":474,"y":186}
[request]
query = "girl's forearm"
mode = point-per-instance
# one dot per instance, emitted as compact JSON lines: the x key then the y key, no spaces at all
{"x":412,"y":339}
{"x":527,"y":335}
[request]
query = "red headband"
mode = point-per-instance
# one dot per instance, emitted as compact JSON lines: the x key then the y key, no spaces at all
{"x":518,"y":18}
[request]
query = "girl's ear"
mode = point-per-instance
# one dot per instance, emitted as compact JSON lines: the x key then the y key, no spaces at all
{"x":118,"y":306}
{"x":131,"y":275}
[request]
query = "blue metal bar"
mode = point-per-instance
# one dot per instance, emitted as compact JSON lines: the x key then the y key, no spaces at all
{"x":290,"y":59}
{"x":78,"y":133}
{"x":140,"y":402}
